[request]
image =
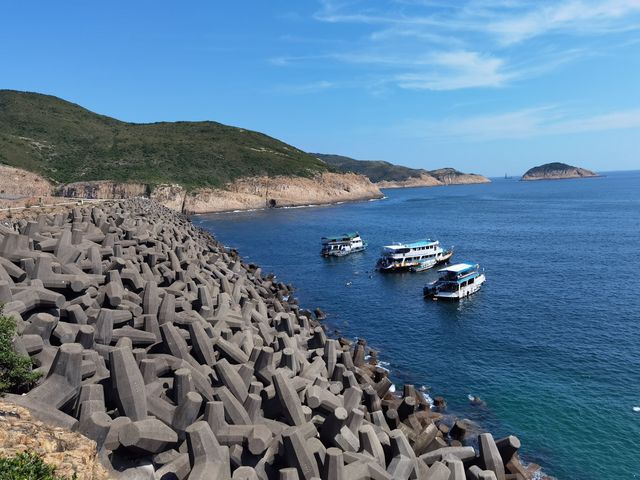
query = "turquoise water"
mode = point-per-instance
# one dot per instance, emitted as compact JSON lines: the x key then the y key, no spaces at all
{"x":552,"y":341}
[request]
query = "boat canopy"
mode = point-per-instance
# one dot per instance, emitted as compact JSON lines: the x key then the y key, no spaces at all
{"x":417,"y":244}
{"x":459,"y":268}
{"x":341,"y":238}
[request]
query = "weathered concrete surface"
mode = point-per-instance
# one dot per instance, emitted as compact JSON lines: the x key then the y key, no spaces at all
{"x":181,"y":361}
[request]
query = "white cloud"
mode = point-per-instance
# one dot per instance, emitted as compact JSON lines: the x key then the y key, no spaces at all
{"x":526,"y":123}
{"x":456,"y":70}
{"x":306,"y":88}
{"x":437,"y":45}
{"x":568,"y":17}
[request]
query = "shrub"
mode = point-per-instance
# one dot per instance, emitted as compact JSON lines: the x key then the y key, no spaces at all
{"x":27,"y":466}
{"x":15,"y":370}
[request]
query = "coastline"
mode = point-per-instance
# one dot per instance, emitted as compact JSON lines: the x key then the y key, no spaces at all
{"x":260,"y":333}
{"x":573,"y":177}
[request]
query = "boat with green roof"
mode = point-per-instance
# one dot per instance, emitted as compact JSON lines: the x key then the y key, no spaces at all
{"x":341,"y":245}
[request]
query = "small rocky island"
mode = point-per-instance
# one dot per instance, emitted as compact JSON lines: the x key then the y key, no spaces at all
{"x":557,"y":171}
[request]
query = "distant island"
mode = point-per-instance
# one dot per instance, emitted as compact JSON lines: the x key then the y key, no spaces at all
{"x":388,"y":175}
{"x":557,"y":171}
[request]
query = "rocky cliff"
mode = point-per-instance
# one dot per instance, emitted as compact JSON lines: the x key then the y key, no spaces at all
{"x":557,"y":171}
{"x":451,"y":176}
{"x":16,"y":183}
{"x":261,"y":192}
{"x":103,"y":190}
{"x":389,"y":175}
{"x":243,"y":194}
{"x":424,"y":180}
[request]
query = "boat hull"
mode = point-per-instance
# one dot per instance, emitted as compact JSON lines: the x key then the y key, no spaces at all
{"x":342,"y":253}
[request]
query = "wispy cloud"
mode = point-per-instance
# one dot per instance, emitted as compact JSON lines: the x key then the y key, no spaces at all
{"x":509,"y":21}
{"x":455,"y":70}
{"x":573,"y":17}
{"x":525,"y":123}
{"x":305,"y":88}
{"x":472,"y":43}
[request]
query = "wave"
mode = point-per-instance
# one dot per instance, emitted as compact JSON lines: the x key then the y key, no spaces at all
{"x":427,"y":398}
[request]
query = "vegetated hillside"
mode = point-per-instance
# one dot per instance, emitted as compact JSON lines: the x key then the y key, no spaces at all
{"x":380,"y":171}
{"x":67,"y":143}
{"x":376,"y":170}
{"x":557,"y":170}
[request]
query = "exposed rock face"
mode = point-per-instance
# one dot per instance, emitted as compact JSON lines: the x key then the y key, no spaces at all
{"x":171,"y":196}
{"x":71,"y":453}
{"x":424,"y":180}
{"x":261,"y":192}
{"x":103,"y":190}
{"x":244,"y":194}
{"x":451,"y":176}
{"x":557,"y":171}
{"x":15,"y":183}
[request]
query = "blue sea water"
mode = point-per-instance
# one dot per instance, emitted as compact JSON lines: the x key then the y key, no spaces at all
{"x":552,"y":341}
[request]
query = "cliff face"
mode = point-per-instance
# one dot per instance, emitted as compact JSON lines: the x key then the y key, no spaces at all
{"x":264,"y":192}
{"x":424,"y":180}
{"x":244,"y":194}
{"x":450,"y":176}
{"x":16,"y":183}
{"x":103,"y":190}
{"x":557,"y":171}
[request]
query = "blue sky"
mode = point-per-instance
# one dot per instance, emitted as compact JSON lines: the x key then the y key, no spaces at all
{"x":489,"y":86}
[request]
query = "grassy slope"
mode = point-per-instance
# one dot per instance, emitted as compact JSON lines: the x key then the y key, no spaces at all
{"x":67,"y":143}
{"x":376,"y":170}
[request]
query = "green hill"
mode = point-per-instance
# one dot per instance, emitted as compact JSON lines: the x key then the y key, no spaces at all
{"x":379,"y":171}
{"x":376,"y":170}
{"x":67,"y":143}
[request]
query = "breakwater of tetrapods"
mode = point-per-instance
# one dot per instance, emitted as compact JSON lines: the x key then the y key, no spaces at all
{"x":181,"y":361}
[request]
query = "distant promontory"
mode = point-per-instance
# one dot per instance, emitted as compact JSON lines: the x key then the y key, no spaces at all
{"x":388,"y":175}
{"x":557,"y":171}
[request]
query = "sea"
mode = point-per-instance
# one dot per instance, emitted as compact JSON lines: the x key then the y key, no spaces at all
{"x":551,"y":343}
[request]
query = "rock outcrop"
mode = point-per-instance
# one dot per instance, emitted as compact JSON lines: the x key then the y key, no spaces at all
{"x":71,"y":453}
{"x":17,"y":183}
{"x":103,"y":190}
{"x":424,"y":180}
{"x":261,"y":192}
{"x":557,"y":171}
{"x":245,"y":194}
{"x":182,"y":361}
{"x":451,"y":176}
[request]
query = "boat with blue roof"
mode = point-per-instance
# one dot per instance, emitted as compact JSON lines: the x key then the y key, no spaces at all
{"x":456,"y":282}
{"x":341,"y":245}
{"x":414,"y":256}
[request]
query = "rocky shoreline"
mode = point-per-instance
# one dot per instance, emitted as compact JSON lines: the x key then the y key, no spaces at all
{"x":556,"y":171}
{"x":181,"y":361}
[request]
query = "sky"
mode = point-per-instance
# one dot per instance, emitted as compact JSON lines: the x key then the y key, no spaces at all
{"x":485,"y":86}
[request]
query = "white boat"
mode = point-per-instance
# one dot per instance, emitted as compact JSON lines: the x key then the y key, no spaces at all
{"x":456,"y":282}
{"x":415,"y":256}
{"x":341,"y":245}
